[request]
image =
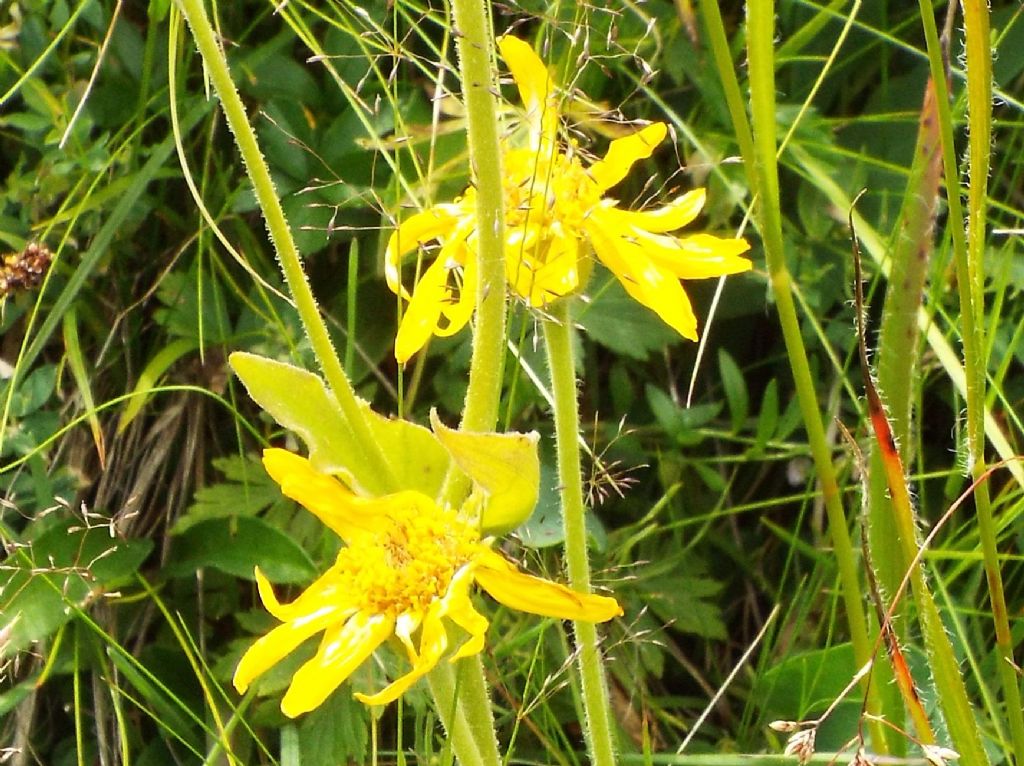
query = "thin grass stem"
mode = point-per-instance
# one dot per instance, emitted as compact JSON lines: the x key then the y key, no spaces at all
{"x":762,"y":167}
{"x":979,"y":112}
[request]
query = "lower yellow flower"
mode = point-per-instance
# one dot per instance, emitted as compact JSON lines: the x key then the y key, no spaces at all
{"x":406,"y":571}
{"x":556,"y":218}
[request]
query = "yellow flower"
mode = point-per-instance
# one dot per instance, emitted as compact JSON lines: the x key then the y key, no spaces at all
{"x":407,"y":568}
{"x":556,"y":214}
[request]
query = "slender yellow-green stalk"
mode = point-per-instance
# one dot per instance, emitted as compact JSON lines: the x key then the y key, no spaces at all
{"x":972,"y":300}
{"x":558,"y":340}
{"x":281,"y":237}
{"x":762,"y":168}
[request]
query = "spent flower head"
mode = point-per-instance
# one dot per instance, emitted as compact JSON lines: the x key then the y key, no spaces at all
{"x":406,"y":571}
{"x":557,"y":216}
{"x":801,"y":744}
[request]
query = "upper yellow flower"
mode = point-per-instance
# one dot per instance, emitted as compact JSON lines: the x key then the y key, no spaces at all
{"x":408,"y":565}
{"x":555,"y":215}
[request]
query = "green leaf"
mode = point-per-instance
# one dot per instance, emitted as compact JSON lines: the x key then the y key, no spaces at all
{"x":247,"y":492}
{"x":617,"y":321}
{"x":735,"y":389}
{"x":768,"y":419}
{"x":236,"y":546}
{"x":193,"y":308}
{"x":300,"y":401}
{"x":32,"y":392}
{"x":336,"y":732}
{"x":505,"y":468}
{"x":682,"y":601}
{"x":167,"y":710}
{"x":800,"y":684}
{"x":685,"y":604}
{"x":678,"y":422}
{"x":68,"y":565}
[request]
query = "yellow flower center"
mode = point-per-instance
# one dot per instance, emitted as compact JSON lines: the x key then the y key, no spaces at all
{"x":548,"y":197}
{"x":411,"y":562}
{"x":547,"y":193}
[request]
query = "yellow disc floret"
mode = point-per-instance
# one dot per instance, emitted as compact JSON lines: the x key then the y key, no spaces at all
{"x":409,"y":563}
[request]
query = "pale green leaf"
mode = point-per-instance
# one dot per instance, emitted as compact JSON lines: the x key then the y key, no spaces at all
{"x":300,"y":401}
{"x":505,"y":467}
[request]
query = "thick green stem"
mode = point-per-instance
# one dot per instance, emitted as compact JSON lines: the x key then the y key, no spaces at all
{"x":462,"y":702}
{"x":483,"y":393}
{"x":479,"y":86}
{"x":761,"y":58}
{"x":979,"y":106}
{"x":281,"y":237}
{"x":895,"y":362}
{"x":558,"y":341}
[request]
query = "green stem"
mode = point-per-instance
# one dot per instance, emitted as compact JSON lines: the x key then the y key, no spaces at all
{"x":479,"y":86}
{"x":462,"y":703}
{"x":558,"y":342}
{"x":483,"y":393}
{"x":281,"y":237}
{"x":486,"y":368}
{"x":764,"y":165}
{"x":895,"y":362}
{"x":979,"y":107}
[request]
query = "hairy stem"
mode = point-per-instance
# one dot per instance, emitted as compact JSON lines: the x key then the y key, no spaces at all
{"x":483,"y":393}
{"x":283,"y":242}
{"x":558,"y":341}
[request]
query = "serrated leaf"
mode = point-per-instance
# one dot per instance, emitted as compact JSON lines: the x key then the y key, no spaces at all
{"x":235,"y":546}
{"x":683,"y":603}
{"x":336,"y":732}
{"x":248,"y":491}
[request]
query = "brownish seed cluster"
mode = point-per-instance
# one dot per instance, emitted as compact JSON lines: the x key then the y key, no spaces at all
{"x":24,"y":270}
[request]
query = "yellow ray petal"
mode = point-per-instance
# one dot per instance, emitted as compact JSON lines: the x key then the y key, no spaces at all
{"x":407,"y":624}
{"x":559,"y":273}
{"x":675,"y":215}
{"x":536,"y":89}
{"x":433,"y":223}
{"x":460,"y":610}
{"x":343,"y":649}
{"x":278,"y":644}
{"x":697,"y":257}
{"x":624,"y":152}
{"x":457,"y":314}
{"x":325,"y":591}
{"x":322,"y":495}
{"x":420,"y":318}
{"x":648,"y":283}
{"x":433,"y":642}
{"x":539,"y":596}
